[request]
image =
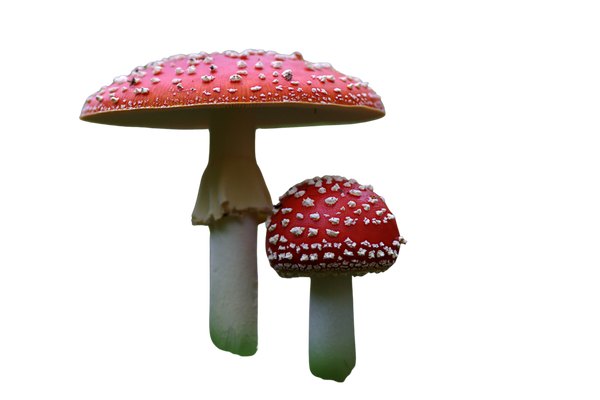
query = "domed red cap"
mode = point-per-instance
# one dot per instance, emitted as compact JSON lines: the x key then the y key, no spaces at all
{"x":331,"y":225}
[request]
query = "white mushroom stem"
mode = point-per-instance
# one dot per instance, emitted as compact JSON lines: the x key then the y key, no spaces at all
{"x":233,"y":199}
{"x":331,"y":350}
{"x":234,"y":285}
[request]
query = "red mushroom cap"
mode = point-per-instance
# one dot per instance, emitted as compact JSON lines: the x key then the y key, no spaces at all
{"x":178,"y":92}
{"x":329,"y":226}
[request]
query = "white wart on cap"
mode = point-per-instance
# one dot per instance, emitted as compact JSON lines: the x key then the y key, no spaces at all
{"x":331,"y":226}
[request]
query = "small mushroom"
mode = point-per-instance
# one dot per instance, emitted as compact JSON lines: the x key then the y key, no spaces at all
{"x":350,"y":232}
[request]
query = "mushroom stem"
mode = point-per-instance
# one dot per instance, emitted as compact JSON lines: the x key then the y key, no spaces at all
{"x":232,"y":182}
{"x":331,"y":350}
{"x":234,"y":284}
{"x":233,"y":199}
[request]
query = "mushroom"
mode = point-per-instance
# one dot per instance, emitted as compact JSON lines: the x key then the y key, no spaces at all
{"x":331,"y":229}
{"x":232,"y":94}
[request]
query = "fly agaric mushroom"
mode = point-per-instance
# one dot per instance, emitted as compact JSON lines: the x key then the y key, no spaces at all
{"x":331,"y":229}
{"x":232,"y":94}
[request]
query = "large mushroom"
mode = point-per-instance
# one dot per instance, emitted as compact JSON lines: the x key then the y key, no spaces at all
{"x":331,"y":229}
{"x":232,"y":94}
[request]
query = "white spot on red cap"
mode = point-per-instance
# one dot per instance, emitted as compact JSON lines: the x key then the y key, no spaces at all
{"x":308,"y":202}
{"x":332,"y":233}
{"x":297,"y":230}
{"x":273,"y":239}
{"x":350,"y":243}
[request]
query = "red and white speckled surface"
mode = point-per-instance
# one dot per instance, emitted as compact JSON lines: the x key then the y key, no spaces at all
{"x":253,"y":77}
{"x":331,"y":225}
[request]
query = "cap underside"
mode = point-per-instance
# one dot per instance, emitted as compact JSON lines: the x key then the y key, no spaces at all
{"x":275,"y":115}
{"x":358,"y":273}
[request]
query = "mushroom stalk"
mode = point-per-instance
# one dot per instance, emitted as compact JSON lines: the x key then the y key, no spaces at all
{"x":234,"y":285}
{"x":331,"y":353}
{"x":233,"y":199}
